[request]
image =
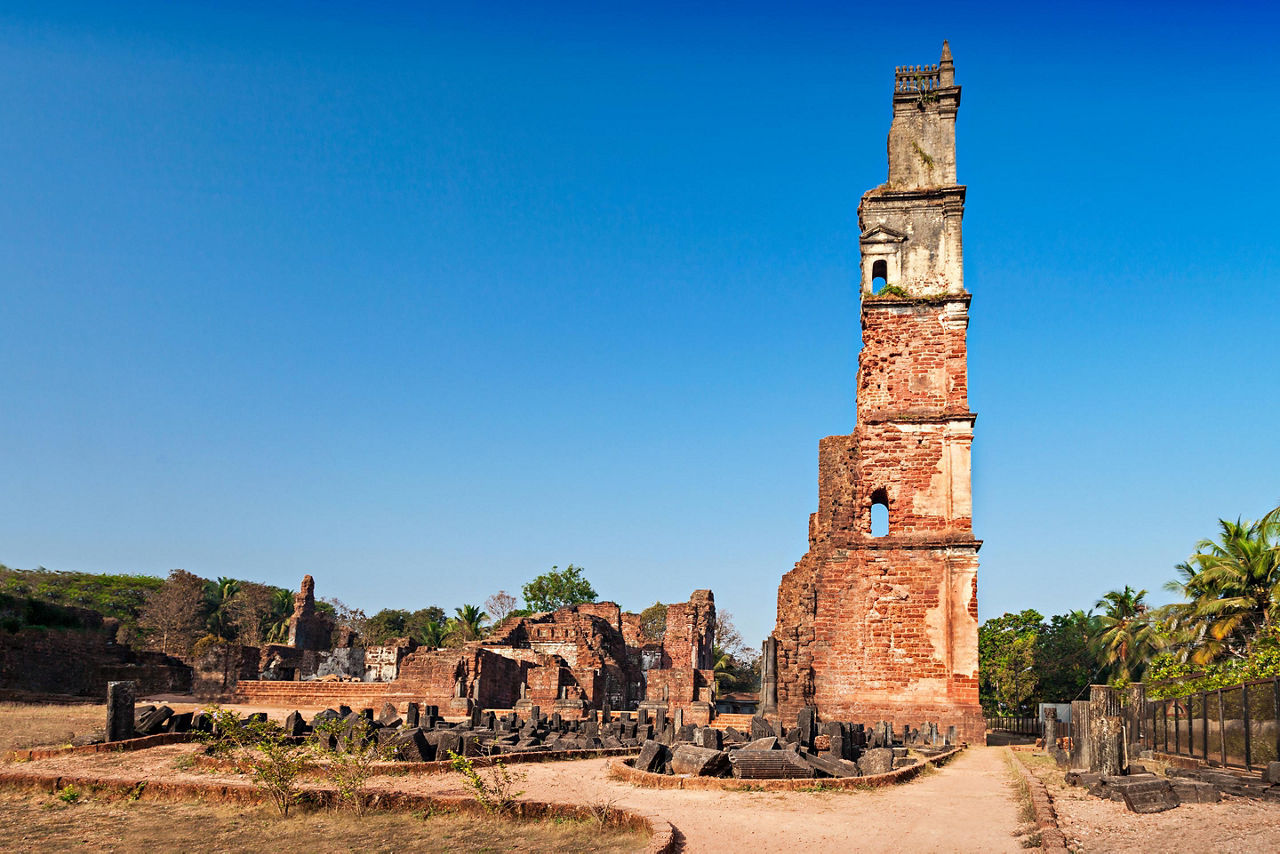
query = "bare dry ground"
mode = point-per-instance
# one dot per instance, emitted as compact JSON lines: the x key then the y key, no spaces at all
{"x":1095,"y":826}
{"x":968,"y":805}
{"x":46,"y":823}
{"x":23,"y":726}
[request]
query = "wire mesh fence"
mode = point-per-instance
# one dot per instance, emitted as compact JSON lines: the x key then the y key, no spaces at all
{"x":1237,"y":727}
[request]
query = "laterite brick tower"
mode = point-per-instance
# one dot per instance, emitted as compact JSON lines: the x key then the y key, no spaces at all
{"x":886,"y":627}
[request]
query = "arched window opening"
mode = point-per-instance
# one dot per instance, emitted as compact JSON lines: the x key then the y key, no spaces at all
{"x":879,"y":276}
{"x":879,"y":513}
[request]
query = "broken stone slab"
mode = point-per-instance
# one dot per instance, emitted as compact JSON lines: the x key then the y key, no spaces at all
{"x":1149,"y":796}
{"x":770,"y":743}
{"x":180,"y":722}
{"x":761,"y":728}
{"x":152,"y":722}
{"x":684,"y":733}
{"x":710,"y":737}
{"x":1087,"y":779}
{"x":769,"y":765}
{"x":699,"y":761}
{"x":389,"y":716}
{"x":1195,"y":791}
{"x":877,"y":760}
{"x":294,"y":725}
{"x":412,"y":715}
{"x":653,"y":756}
{"x":1271,"y":774}
{"x":411,"y":745}
{"x":829,"y":766}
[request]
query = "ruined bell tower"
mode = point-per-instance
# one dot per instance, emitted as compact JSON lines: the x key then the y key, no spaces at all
{"x":882,"y":622}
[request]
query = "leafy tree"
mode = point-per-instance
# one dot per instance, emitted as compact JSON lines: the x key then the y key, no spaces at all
{"x":344,"y":616}
{"x":175,"y":613}
{"x":500,"y":605}
{"x":734,"y":663}
{"x":653,"y":621}
{"x":249,"y":612}
{"x":1006,"y":660}
{"x":558,"y":588}
{"x":1125,"y":639}
{"x":1065,"y":662}
{"x":385,"y":625}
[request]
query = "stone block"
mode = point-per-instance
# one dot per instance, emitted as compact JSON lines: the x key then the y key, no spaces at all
{"x":761,"y":728}
{"x":1195,"y":792}
{"x":120,"y":711}
{"x":709,"y":737}
{"x":1271,"y":774}
{"x":770,"y":743}
{"x":877,"y":760}
{"x":829,"y":766}
{"x":699,"y":761}
{"x":653,"y":756}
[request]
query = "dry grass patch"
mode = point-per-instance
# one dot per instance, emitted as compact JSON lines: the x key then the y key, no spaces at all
{"x":25,"y":725}
{"x":47,"y":823}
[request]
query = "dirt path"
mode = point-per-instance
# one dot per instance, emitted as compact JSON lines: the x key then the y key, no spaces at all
{"x":968,"y":805}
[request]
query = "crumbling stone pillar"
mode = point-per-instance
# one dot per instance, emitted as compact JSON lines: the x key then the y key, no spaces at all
{"x":769,"y":677}
{"x":1106,"y":730}
{"x":120,"y":700}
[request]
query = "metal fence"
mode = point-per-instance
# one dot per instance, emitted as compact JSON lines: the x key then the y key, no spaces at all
{"x":1235,"y":727}
{"x":1018,"y":726}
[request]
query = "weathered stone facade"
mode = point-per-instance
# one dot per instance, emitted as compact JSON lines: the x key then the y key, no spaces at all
{"x":885,"y":627}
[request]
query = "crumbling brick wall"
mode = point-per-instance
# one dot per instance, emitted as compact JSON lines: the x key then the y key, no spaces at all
{"x":82,"y":661}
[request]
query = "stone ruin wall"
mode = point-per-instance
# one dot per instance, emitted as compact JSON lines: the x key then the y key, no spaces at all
{"x":574,"y":659}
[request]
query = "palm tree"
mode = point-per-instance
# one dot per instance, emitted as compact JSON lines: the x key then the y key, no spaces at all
{"x":1232,"y":588}
{"x":433,"y":635}
{"x":219,"y":595}
{"x":469,"y":622}
{"x":722,"y":669}
{"x":276,"y":624}
{"x":1125,"y":639}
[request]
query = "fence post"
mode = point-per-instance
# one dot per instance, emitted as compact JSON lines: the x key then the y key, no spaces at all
{"x":1275,"y":711}
{"x":1222,"y":730}
{"x":1204,"y":723}
{"x":1244,"y":714}
{"x":1177,"y":742}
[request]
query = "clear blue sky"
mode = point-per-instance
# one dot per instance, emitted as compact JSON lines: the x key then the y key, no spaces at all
{"x":423,"y":299}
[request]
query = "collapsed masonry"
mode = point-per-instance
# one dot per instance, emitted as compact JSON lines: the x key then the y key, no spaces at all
{"x":569,"y":661}
{"x":885,"y":627}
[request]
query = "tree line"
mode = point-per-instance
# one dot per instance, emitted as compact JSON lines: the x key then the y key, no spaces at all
{"x":1225,"y":630}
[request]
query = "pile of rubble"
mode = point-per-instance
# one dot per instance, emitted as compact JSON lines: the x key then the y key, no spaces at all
{"x":811,"y":749}
{"x":1142,"y":791}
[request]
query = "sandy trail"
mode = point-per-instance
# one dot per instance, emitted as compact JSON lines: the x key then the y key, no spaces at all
{"x":968,"y":805}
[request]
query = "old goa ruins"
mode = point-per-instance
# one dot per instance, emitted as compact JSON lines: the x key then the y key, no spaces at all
{"x":884,"y":624}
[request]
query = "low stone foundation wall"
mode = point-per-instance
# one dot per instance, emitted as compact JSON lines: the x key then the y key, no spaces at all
{"x":322,"y":695}
{"x":619,"y":770}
